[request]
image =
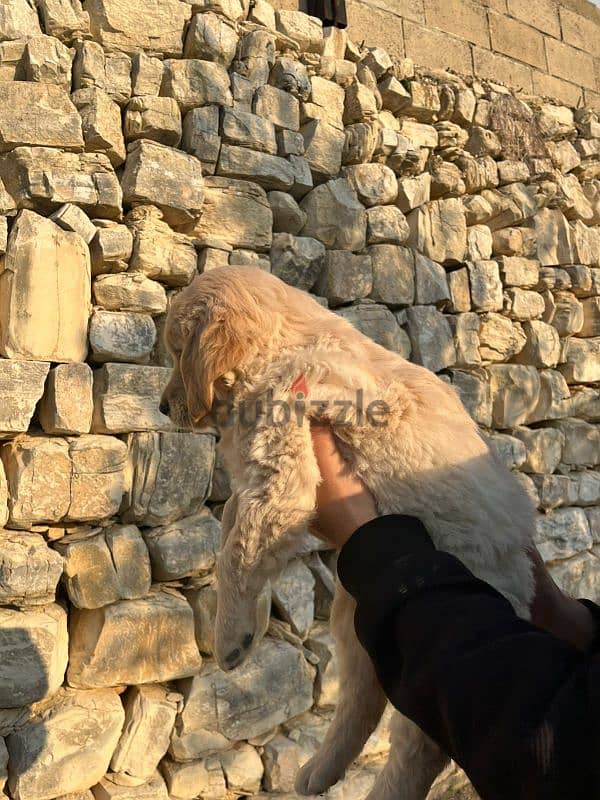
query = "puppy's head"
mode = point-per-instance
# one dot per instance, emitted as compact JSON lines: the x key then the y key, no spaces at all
{"x":215,"y":327}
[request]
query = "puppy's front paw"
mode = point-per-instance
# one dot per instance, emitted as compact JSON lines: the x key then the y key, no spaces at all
{"x":318,"y":775}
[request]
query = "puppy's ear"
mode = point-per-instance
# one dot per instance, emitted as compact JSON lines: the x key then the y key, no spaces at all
{"x":212,"y":351}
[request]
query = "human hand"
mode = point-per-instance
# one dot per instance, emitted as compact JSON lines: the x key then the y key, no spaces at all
{"x":343,"y":501}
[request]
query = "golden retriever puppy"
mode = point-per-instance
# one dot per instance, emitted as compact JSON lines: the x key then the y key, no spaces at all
{"x":258,"y":359}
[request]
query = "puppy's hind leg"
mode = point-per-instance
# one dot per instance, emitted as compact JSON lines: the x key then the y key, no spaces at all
{"x":360,"y":705}
{"x":413,"y":764}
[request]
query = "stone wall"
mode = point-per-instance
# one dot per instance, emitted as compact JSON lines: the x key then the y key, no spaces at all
{"x":141,"y":141}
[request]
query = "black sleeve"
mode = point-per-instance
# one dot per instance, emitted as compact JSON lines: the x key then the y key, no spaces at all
{"x":516,"y":708}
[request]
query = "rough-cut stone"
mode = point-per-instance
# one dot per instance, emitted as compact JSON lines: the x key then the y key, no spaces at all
{"x":184,"y":781}
{"x":72,"y":218}
{"x":200,"y":136}
{"x":515,"y":392}
{"x":375,"y":184}
{"x":378,"y":323}
{"x":34,"y":654}
{"x":121,"y":336}
{"x":591,"y":317}
{"x":271,"y":172}
{"x":236,"y":213}
{"x":486,"y":286}
{"x":288,"y":217}
{"x":431,"y":338}
{"x":129,"y":292}
{"x":553,"y":238}
{"x":509,"y":450}
{"x":46,"y":60}
{"x":517,"y":271}
{"x":111,"y":248}
{"x":101,"y":121}
{"x":465,"y":328}
{"x":38,"y":114}
{"x":159,"y":252}
{"x":562,"y":533}
{"x":105,"y":567}
{"x":44,"y":292}
{"x":117,"y":25}
{"x":522,"y":304}
{"x":29,"y":570}
{"x":293,"y":597}
{"x":499,"y":338}
{"x":413,"y":192}
{"x":67,"y":405}
{"x":146,"y":75}
{"x":344,"y":277}
{"x":460,"y":292}
{"x":126,"y":398}
{"x":582,"y":361}
{"x":18,"y":20}
{"x":321,"y":643}
{"x":211,"y":39}
{"x":125,"y":642}
{"x":393,"y":274}
{"x":45,"y":178}
{"x":303,"y":29}
{"x":431,"y":285}
{"x":241,"y":704}
{"x":283,"y":758}
{"x":248,"y":130}
{"x":243,"y":769}
{"x":323,"y":147}
{"x":180,"y":191}
{"x":473,"y":388}
{"x":581,"y":442}
{"x":67,"y":749}
{"x":542,"y":348}
{"x":149,"y":717}
{"x":21,"y":386}
{"x":439,"y":230}
{"x":544,"y":448}
{"x":183,"y":548}
{"x":192,"y":82}
{"x":386,"y":225}
{"x":578,"y":576}
{"x":155,"y":118}
{"x":116,"y":787}
{"x":334,"y":216}
{"x":297,"y":260}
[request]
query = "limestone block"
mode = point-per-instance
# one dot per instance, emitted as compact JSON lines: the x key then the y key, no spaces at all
{"x":112,"y":247}
{"x":297,"y":260}
{"x":465,"y":328}
{"x":4,"y":764}
{"x":360,"y":104}
{"x":291,"y":75}
{"x":242,"y":704}
{"x":271,"y":172}
{"x":360,"y":142}
{"x":44,"y":292}
{"x":375,"y":184}
{"x":509,"y":450}
{"x":499,"y":338}
{"x":170,"y":476}
{"x":280,"y":107}
{"x":34,"y":654}
{"x":11,"y":60}
{"x":125,"y":642}
{"x":288,"y":217}
{"x":159,"y":252}
{"x":201,"y":135}
{"x":38,"y":114}
{"x":581,"y":279}
{"x":21,"y":386}
{"x":180,"y":192}
{"x":323,"y":146}
{"x":234,"y":10}
{"x":578,"y":576}
{"x":330,"y":98}
{"x":155,"y":118}
{"x":303,"y":29}
{"x":512,"y":172}
{"x":582,"y":361}
{"x":116,"y":25}
{"x":126,"y":398}
{"x":97,"y":479}
{"x":290,"y":143}
{"x":117,"y":71}
{"x":515,"y":390}
{"x":591,"y":317}
{"x":293,"y":597}
{"x":473,"y":388}
{"x":129,"y":292}
{"x":582,"y":442}
{"x":479,"y":243}
{"x":393,"y":274}
{"x":45,"y":178}
{"x":46,"y":60}
{"x":562,"y":533}
{"x":193,"y":82}
{"x":283,"y":758}
{"x":518,"y":271}
{"x":542,"y":348}
{"x":105,"y":567}
{"x":67,"y":405}
{"x":553,"y":238}
{"x":334,"y":216}
{"x":439,"y":230}
{"x":183,"y":548}
{"x":419,"y":134}
{"x":263,"y":13}
{"x":210,"y":38}
{"x":555,"y":491}
{"x":149,"y":718}
{"x":3,"y":496}
{"x":522,"y":304}
{"x":248,"y":130}
{"x":19,"y":20}
{"x":593,"y":515}
{"x":544,"y":448}
{"x":67,"y":749}
{"x":431,"y":285}
{"x":431,"y":338}
{"x":303,"y":179}
{"x":236,"y":213}
{"x":344,"y":277}
{"x":460,"y":292}
{"x":486,"y":286}
{"x":378,"y":323}
{"x":393,"y":94}
{"x":29,"y":570}
{"x":112,"y":788}
{"x":72,"y":218}
{"x":243,"y":769}
{"x":321,"y":643}
{"x":146,"y":75}
{"x":184,"y":781}
{"x":121,"y":336}
{"x":386,"y":225}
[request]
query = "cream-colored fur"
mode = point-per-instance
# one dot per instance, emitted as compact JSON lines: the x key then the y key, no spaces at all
{"x":241,"y":337}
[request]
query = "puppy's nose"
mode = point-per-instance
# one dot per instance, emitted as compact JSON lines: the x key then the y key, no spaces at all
{"x":163,"y":407}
